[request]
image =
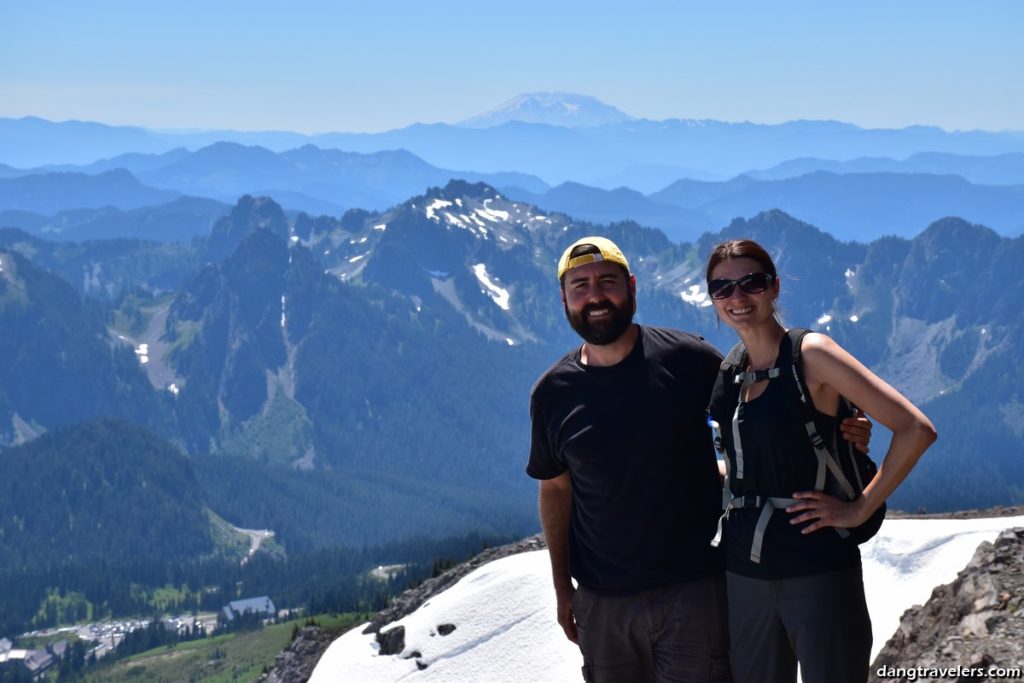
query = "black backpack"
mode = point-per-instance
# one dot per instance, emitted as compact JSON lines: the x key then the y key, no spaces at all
{"x":843,"y":474}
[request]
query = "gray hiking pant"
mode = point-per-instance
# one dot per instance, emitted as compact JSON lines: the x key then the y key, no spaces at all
{"x":820,"y":620}
{"x":677,"y":634}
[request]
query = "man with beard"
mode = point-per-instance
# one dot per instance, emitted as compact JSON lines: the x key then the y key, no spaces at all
{"x":629,"y":485}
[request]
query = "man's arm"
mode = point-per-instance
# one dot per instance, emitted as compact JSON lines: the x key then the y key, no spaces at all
{"x":857,"y":430}
{"x":555,"y":502}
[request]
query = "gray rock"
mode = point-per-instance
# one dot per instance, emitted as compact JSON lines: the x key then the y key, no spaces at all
{"x":975,"y":622}
{"x":295,"y":663}
{"x":392,"y":641}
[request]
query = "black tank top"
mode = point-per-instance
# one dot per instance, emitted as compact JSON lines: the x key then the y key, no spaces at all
{"x":779,"y":461}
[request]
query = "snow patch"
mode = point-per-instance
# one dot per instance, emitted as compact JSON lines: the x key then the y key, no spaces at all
{"x":434,"y":206}
{"x":459,"y":221}
{"x":504,"y":631}
{"x":854,"y":318}
{"x":498,"y":294}
{"x":493,"y":215}
{"x":826,"y":318}
{"x":693,"y":296}
{"x":386,"y":572}
{"x":173,"y":388}
{"x":381,"y":226}
{"x":358,"y":257}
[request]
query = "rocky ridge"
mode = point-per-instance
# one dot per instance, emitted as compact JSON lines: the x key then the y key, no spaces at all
{"x":974,"y":624}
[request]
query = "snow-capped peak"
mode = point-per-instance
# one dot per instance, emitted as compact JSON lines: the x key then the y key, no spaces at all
{"x":551,"y":108}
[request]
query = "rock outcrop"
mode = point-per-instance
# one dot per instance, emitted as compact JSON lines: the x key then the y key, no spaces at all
{"x":296,"y":662}
{"x":975,"y":623}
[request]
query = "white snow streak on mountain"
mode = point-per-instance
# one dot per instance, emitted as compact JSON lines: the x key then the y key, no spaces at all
{"x":504,"y":612}
{"x":498,"y":294}
{"x":694,"y":296}
{"x":434,"y":206}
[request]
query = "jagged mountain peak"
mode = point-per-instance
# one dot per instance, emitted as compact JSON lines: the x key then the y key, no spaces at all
{"x":264,"y":209}
{"x":462,"y":189}
{"x":248,"y":215}
{"x":551,"y":108}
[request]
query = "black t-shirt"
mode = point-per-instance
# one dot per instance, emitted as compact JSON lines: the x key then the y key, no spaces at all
{"x":633,"y":436}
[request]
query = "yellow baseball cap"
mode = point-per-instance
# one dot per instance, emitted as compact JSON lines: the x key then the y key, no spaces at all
{"x":588,"y":250}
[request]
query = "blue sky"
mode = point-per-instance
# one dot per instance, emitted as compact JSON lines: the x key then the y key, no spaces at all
{"x":350,"y":66}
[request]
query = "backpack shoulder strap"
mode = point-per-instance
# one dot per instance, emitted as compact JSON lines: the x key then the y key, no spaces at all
{"x":722,"y":395}
{"x":794,"y":340}
{"x":826,"y":461}
{"x":736,"y":358}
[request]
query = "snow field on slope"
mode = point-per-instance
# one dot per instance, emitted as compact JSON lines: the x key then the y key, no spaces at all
{"x":504,"y":612}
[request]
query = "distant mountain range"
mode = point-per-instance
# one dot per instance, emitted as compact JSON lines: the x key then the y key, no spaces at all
{"x":1000,"y":169}
{"x":851,"y":206}
{"x":557,"y":137}
{"x":49,"y":193}
{"x":178,"y":220}
{"x":317,"y":181}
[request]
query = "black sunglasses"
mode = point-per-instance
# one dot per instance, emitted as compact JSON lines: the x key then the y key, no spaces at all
{"x":754,"y":283}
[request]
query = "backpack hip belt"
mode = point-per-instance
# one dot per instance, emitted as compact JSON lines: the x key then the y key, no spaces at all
{"x":768,"y":505}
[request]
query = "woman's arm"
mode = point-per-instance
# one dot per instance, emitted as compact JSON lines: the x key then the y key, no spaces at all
{"x":829,"y":369}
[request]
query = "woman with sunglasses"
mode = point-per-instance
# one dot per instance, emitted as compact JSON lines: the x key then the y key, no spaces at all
{"x":800,"y":598}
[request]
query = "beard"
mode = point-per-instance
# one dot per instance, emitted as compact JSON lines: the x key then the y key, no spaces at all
{"x":605,"y":330}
